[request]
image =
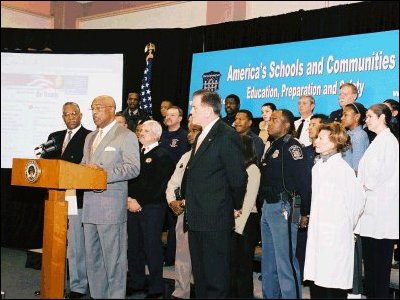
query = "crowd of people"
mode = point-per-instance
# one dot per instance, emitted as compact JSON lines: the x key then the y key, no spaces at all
{"x":321,"y":193}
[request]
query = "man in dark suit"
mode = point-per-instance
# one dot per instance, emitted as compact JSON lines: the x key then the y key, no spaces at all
{"x":214,"y":186}
{"x":69,"y":147}
{"x":133,"y":114}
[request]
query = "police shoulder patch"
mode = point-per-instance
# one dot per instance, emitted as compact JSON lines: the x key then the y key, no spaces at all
{"x":296,"y":152}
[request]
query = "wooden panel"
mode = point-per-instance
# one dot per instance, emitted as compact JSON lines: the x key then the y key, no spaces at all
{"x":59,"y":174}
{"x":54,"y":246}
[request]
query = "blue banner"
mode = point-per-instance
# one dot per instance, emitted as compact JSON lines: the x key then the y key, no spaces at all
{"x":282,"y":73}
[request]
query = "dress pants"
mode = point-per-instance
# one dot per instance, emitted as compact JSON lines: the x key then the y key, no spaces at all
{"x":318,"y":292}
{"x":243,"y":246}
{"x":210,"y":251}
{"x":301,"y":249}
{"x":145,"y":246}
{"x":171,"y":238}
{"x":377,"y":256}
{"x":183,"y":264}
{"x":78,"y":281}
{"x":106,"y":261}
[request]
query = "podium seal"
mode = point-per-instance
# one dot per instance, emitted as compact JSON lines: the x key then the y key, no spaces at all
{"x":32,"y":171}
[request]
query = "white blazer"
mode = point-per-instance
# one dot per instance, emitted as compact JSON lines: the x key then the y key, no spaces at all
{"x":336,"y":205}
{"x":378,"y":171}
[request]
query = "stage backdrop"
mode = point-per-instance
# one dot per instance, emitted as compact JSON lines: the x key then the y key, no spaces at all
{"x":281,"y":73}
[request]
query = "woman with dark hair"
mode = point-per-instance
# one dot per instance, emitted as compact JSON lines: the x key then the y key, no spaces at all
{"x":244,"y":237}
{"x":394,"y":120}
{"x":378,"y":172}
{"x":266,"y":112}
{"x":353,"y":118}
{"x":336,"y":205}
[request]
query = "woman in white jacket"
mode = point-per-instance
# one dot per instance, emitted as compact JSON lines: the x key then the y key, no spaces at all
{"x":336,"y":205}
{"x":378,"y":172}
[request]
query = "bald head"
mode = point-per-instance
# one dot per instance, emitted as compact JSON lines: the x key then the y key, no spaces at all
{"x":103,"y":110}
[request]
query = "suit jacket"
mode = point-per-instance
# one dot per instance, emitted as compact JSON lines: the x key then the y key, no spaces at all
{"x":72,"y":153}
{"x":118,"y":155}
{"x":157,"y":167}
{"x":134,"y":120}
{"x":216,"y":180}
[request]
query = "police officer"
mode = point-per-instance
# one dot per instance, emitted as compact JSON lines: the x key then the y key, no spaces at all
{"x":283,"y":173}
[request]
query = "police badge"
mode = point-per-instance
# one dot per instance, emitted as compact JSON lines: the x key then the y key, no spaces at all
{"x":32,"y":171}
{"x":296,"y":152}
{"x":211,"y":81}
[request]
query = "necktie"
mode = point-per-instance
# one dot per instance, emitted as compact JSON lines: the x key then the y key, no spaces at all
{"x":298,"y":132}
{"x":67,"y":141}
{"x":97,"y":140}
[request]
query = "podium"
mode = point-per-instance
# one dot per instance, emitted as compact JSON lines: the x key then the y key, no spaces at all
{"x":57,"y":176}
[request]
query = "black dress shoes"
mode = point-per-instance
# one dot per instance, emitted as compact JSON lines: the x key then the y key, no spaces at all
{"x":130,"y":291}
{"x":154,"y":296}
{"x":37,"y":293}
{"x":74,"y":295}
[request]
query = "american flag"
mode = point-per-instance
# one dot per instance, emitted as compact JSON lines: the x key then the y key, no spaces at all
{"x":145,"y":90}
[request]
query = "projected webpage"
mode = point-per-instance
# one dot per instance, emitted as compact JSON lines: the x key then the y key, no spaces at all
{"x":282,"y":73}
{"x":35,"y":86}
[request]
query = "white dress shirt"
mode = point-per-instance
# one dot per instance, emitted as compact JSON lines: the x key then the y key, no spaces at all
{"x":304,"y":137}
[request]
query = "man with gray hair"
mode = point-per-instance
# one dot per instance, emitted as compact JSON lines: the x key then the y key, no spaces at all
{"x":147,"y":206}
{"x":69,"y":147}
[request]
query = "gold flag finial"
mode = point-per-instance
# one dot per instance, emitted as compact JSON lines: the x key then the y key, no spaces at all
{"x":151,"y":48}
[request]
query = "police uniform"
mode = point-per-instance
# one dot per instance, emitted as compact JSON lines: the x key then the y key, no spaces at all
{"x":278,"y":279}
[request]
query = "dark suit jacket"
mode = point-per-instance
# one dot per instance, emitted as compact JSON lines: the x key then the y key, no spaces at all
{"x":216,"y":180}
{"x":156,"y":168}
{"x":73,"y":152}
{"x":336,"y":115}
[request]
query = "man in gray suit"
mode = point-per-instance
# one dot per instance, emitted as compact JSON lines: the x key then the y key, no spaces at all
{"x":116,"y":150}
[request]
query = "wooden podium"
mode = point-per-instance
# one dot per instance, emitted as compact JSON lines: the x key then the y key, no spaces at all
{"x":57,"y":176}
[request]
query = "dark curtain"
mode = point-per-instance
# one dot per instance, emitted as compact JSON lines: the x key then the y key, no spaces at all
{"x":172,"y":67}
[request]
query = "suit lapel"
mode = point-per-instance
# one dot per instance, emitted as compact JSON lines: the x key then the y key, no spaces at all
{"x":205,"y":143}
{"x":105,"y":141}
{"x":73,"y":139}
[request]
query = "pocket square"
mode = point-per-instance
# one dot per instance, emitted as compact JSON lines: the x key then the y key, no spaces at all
{"x":109,"y":149}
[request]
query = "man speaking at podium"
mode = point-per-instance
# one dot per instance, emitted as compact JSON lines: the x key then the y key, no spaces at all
{"x":114,"y":149}
{"x":68,"y":146}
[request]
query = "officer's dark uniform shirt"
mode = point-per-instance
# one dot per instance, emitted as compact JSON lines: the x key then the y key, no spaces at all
{"x":336,"y":116}
{"x":297,"y":177}
{"x":230,"y":120}
{"x":133,"y":120}
{"x":309,"y":156}
{"x":175,"y":142}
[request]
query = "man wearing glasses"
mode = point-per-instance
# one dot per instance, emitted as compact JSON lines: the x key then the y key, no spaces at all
{"x":114,"y":149}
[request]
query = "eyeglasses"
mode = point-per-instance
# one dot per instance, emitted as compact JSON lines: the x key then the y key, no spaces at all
{"x":72,"y":114}
{"x":100,"y":107}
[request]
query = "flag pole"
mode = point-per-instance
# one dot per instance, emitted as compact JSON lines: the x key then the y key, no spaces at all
{"x":145,"y":102}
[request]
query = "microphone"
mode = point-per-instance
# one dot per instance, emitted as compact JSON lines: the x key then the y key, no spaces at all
{"x":51,"y":149}
{"x":49,"y":143}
